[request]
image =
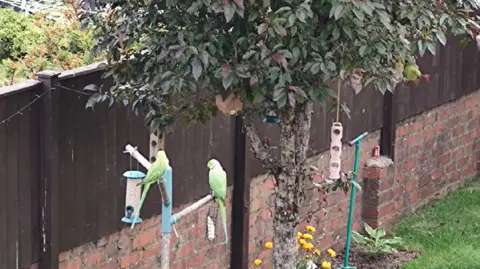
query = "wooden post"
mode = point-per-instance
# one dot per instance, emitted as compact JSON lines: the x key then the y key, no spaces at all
{"x":241,"y":199}
{"x":389,"y":127}
{"x":50,"y":169}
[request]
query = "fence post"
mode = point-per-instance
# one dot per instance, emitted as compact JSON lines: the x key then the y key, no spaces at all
{"x":50,"y":169}
{"x":389,"y":127}
{"x":240,"y":201}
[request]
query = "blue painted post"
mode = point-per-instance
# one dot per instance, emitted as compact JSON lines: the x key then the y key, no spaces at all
{"x":355,"y":142}
{"x":166,"y":219}
{"x":167,"y":208}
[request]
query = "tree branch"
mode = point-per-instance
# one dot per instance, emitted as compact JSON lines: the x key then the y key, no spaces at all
{"x":259,"y":150}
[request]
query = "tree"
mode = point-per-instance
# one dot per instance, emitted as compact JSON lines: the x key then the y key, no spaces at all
{"x":187,"y":59}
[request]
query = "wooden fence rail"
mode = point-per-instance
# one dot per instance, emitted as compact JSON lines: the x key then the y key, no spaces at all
{"x":58,"y":158}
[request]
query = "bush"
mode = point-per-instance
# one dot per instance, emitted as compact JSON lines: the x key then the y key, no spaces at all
{"x":32,"y":43}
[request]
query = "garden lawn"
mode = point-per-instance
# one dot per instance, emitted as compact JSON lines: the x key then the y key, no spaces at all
{"x":447,"y":233}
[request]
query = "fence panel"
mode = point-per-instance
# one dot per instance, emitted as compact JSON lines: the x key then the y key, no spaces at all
{"x":190,"y":148}
{"x":92,"y":189}
{"x":453,"y":74}
{"x":20,"y":218}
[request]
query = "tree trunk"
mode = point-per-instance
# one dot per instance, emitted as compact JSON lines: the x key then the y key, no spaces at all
{"x":294,"y":138}
{"x":291,"y":176}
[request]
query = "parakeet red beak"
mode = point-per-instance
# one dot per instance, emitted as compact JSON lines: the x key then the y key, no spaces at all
{"x":426,"y":77}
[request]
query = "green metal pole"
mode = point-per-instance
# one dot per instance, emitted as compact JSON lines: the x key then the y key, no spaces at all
{"x":355,"y":142}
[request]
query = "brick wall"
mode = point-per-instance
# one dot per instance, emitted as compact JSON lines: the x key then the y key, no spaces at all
{"x":435,"y":151}
{"x":139,"y":248}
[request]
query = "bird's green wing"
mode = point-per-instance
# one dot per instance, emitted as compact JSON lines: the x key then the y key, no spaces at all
{"x":217,"y":179}
{"x":155,"y":172}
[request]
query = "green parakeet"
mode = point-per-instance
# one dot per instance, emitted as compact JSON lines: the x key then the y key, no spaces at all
{"x":154,"y":174}
{"x":217,"y":179}
{"x":412,"y":73}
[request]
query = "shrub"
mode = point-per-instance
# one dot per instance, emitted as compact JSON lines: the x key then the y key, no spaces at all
{"x":32,"y":43}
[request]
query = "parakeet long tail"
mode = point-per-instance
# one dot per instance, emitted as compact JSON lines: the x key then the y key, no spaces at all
{"x":223,"y":214}
{"x":140,"y":204}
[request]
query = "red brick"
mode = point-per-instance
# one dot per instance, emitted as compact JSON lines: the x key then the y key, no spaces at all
{"x":64,"y":256}
{"x":109,"y":265}
{"x":373,"y":173}
{"x":413,"y":196}
{"x":410,"y":164}
{"x":75,"y":264}
{"x":410,"y":186}
{"x":268,"y":184}
{"x":196,"y":260}
{"x":95,"y":258}
{"x":130,"y":259}
{"x":144,"y":239}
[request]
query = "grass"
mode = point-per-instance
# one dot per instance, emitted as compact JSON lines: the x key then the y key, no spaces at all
{"x":447,"y":233}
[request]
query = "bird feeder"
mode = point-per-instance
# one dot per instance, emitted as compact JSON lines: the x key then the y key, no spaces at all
{"x":132,"y":198}
{"x":336,"y":150}
{"x":271,"y":117}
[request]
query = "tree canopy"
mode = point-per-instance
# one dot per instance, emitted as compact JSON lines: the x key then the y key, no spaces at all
{"x":174,"y":50}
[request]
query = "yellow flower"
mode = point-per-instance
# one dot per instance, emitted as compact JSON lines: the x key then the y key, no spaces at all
{"x":307,"y":236}
{"x":268,"y":245}
{"x":311,"y":229}
{"x":302,"y":242}
{"x":316,"y":252}
{"x":257,"y":262}
{"x":308,"y":246}
{"x":299,"y":234}
{"x":332,"y":253}
{"x":326,"y":265}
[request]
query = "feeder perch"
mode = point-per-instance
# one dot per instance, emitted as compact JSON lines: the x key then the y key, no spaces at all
{"x":336,"y":150}
{"x":271,"y":118}
{"x":132,"y":198}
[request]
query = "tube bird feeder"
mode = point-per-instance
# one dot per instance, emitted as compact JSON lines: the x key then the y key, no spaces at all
{"x":336,"y":150}
{"x":132,"y":197}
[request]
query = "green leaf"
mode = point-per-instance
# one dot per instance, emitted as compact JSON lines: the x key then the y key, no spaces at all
{"x":301,"y":15}
{"x":366,"y":8}
{"x":362,"y":50}
{"x":196,"y":68}
{"x":315,"y":68}
{"x":369,"y":230}
{"x":338,"y":12}
{"x":279,"y":30}
{"x":227,"y":81}
{"x":348,"y":31}
{"x":359,"y":14}
{"x":380,"y":47}
{"x":262,"y":28}
{"x":441,"y":37}
{"x":291,"y":19}
{"x":431,"y":48}
{"x":204,"y":56}
{"x":248,"y":54}
{"x":282,"y":9}
{"x":229,"y":11}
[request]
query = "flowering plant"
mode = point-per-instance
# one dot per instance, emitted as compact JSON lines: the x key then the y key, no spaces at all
{"x":310,"y":257}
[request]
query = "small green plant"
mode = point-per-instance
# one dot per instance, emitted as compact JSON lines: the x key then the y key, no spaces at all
{"x":374,"y":242}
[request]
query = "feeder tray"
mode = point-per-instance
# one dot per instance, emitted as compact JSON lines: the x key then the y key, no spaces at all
{"x":271,"y":119}
{"x":132,"y":195}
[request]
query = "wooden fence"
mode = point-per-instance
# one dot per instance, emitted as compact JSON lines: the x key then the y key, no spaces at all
{"x":61,"y":165}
